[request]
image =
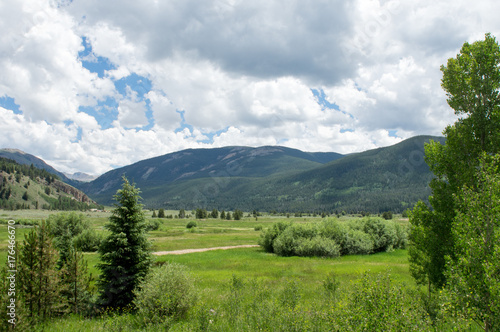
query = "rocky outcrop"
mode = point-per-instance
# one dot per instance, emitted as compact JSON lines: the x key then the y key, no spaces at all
{"x":70,"y":190}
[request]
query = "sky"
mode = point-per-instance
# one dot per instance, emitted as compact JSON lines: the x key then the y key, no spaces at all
{"x":92,"y":85}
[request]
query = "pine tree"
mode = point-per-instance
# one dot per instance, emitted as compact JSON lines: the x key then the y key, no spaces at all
{"x":75,"y":281}
{"x":125,"y":254}
{"x":38,"y":277}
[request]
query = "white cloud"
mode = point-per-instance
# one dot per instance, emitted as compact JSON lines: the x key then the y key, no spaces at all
{"x":239,"y":71}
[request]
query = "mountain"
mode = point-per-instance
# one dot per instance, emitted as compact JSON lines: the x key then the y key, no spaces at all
{"x":80,"y":176}
{"x":175,"y":169}
{"x":24,"y":158}
{"x":277,"y":178}
{"x":29,"y":187}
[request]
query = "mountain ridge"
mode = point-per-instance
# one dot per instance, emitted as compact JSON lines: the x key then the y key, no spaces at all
{"x":277,"y":178}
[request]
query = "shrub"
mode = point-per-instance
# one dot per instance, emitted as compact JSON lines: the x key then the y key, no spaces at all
{"x":401,"y":236}
{"x":383,"y":234}
{"x":357,"y":243}
{"x":387,"y":215}
{"x":167,"y":291}
{"x":192,"y":224}
{"x":152,"y":225}
{"x":318,"y":246}
{"x":379,"y":304}
{"x":89,"y":240}
{"x":332,"y":229}
{"x":267,"y":238}
{"x":286,"y":243}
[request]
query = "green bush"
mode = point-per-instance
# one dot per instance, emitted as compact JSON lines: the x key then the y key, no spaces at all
{"x":383,"y":234}
{"x":377,"y":303}
{"x":167,"y":291}
{"x":152,"y":225}
{"x":318,"y":246}
{"x":88,"y":241}
{"x":332,"y":229}
{"x":357,"y":243}
{"x":192,"y":224}
{"x":330,"y":238}
{"x":267,"y":238}
{"x":286,"y":243}
{"x":401,"y":236}
{"x":387,"y":215}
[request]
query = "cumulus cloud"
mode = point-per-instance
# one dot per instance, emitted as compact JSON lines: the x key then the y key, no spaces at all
{"x":324,"y":76}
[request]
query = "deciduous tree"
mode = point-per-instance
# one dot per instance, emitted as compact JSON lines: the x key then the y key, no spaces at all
{"x":472,"y":84}
{"x":474,"y":275}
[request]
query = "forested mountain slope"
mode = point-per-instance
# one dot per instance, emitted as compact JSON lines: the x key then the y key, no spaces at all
{"x":277,"y":178}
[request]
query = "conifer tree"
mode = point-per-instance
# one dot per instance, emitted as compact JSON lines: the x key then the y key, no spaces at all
{"x":75,"y":281}
{"x":38,"y":276}
{"x":125,"y":254}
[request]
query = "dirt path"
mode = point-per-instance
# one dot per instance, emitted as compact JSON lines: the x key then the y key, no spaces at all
{"x":188,"y":251}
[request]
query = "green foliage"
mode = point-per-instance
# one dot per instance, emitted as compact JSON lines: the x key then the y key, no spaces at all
{"x":267,"y":238}
{"x":167,"y":291}
{"x":69,"y":230}
{"x":472,"y":82}
{"x":161,"y":213}
{"x":88,"y":240}
{"x":125,"y":255}
{"x":329,"y":238}
{"x":387,"y":215}
{"x":376,"y":303}
{"x":474,"y":273}
{"x":201,"y":214}
{"x":357,"y":243}
{"x":238,"y":214}
{"x":191,"y":224}
{"x":75,"y":284}
{"x":152,"y":225}
{"x":38,"y":279}
{"x":331,"y":285}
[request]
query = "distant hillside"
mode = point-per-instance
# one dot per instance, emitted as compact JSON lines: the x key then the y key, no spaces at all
{"x":168,"y":171}
{"x":24,"y":158}
{"x":29,"y":187}
{"x":277,"y":178}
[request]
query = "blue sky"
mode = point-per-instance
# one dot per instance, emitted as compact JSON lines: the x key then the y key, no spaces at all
{"x":93,"y":85}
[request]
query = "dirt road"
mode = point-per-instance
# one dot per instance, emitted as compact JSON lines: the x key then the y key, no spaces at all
{"x":189,"y":251}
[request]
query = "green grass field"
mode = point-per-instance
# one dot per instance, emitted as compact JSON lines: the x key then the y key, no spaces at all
{"x":213,"y":270}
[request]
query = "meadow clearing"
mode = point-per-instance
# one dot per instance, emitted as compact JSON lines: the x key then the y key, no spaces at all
{"x":240,"y":288}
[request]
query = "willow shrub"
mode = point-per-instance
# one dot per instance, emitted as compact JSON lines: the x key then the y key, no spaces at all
{"x":167,"y":292}
{"x":330,"y":238}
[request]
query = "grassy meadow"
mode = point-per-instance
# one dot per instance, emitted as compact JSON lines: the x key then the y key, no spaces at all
{"x":216,"y":272}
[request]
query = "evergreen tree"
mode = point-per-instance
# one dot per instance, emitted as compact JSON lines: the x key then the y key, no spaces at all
{"x":75,"y":282}
{"x":182,"y":214}
{"x":154,"y":214}
{"x":161,"y":213}
{"x":125,"y":254}
{"x":223,"y":215}
{"x":37,"y":274}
